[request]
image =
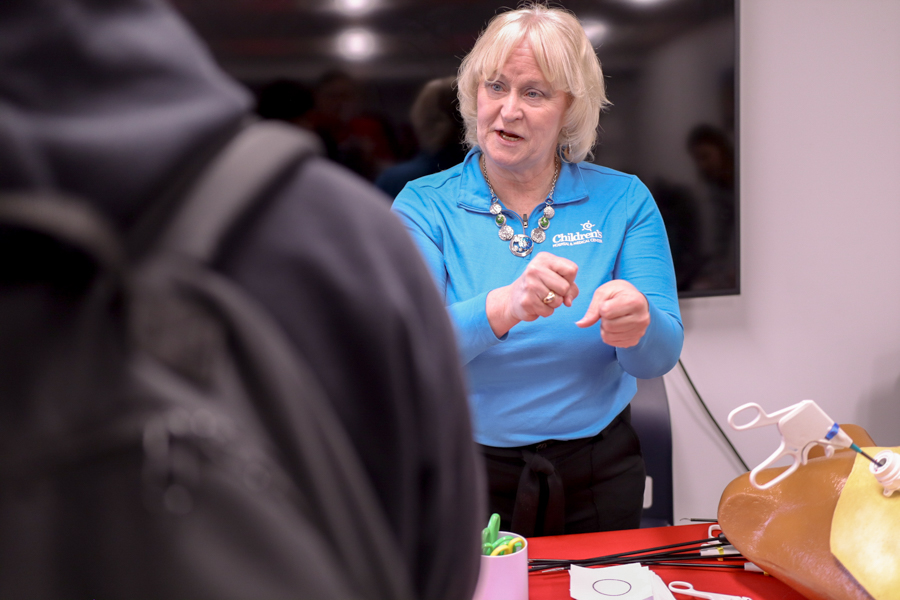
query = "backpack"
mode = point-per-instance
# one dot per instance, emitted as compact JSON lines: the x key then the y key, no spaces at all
{"x":159,"y":436}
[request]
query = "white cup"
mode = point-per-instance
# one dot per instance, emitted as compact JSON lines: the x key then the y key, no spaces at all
{"x":503,"y":577}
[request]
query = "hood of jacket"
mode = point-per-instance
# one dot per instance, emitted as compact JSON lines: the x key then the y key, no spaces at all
{"x":105,"y":99}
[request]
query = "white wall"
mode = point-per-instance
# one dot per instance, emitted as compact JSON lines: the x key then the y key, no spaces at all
{"x":819,"y":312}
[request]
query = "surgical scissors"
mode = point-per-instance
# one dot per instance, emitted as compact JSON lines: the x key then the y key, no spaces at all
{"x":683,"y":587}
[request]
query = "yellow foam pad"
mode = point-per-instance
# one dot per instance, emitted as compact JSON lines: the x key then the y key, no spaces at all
{"x":865,"y":530}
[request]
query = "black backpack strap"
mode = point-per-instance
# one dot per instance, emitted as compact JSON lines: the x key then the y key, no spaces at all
{"x":68,"y":221}
{"x":287,"y":396}
{"x":255,"y":162}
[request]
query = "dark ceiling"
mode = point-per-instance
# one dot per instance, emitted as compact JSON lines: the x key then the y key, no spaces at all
{"x":260,"y":40}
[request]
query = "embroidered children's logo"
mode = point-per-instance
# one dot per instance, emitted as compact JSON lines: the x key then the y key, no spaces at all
{"x":587,"y":234}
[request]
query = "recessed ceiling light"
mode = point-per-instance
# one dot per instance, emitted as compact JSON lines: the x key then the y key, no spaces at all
{"x":356,"y":44}
{"x":355,"y":7}
{"x":595,"y":30}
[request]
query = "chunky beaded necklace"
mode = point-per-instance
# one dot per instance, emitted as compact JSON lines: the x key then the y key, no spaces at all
{"x":521,"y":244}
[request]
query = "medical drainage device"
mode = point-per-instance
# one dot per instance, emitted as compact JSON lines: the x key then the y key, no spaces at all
{"x":802,"y":426}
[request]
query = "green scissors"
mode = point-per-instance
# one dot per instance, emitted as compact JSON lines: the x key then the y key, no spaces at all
{"x":489,"y":535}
{"x":492,"y":546}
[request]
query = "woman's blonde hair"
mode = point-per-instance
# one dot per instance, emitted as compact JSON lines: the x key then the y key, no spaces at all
{"x":565,"y":57}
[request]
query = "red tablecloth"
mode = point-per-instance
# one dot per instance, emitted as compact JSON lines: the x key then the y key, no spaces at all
{"x":555,"y":586}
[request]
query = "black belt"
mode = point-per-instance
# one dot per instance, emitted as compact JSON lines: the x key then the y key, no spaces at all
{"x":539,"y":459}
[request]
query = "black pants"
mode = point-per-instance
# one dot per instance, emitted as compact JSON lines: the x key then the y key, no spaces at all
{"x":575,"y":486}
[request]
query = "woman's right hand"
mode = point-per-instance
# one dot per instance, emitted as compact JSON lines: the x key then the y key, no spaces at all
{"x":523,"y":299}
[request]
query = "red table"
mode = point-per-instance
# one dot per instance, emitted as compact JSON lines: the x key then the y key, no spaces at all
{"x":555,"y":586}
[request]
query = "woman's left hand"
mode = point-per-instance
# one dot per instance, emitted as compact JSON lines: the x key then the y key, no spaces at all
{"x":623,"y":313}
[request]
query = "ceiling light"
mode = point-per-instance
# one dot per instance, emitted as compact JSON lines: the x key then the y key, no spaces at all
{"x":595,"y":30}
{"x":355,"y":7}
{"x":356,"y":44}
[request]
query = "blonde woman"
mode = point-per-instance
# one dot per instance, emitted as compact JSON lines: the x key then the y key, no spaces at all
{"x":532,"y":248}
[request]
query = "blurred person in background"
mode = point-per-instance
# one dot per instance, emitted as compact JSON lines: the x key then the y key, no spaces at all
{"x":358,"y":140}
{"x":438,"y":128}
{"x":285,"y":100}
{"x":713,"y":154}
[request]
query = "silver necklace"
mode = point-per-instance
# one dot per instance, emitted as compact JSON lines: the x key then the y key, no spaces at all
{"x":519,"y":243}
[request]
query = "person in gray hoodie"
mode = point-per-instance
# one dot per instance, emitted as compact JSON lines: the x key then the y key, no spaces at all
{"x":109,"y":100}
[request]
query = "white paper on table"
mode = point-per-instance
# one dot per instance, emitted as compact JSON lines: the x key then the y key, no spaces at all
{"x":660,"y":589}
{"x":625,"y":582}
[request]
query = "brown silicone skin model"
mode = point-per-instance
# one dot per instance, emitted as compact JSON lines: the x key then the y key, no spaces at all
{"x":786,"y":529}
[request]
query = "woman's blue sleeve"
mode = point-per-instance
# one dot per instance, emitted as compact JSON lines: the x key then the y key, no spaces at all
{"x":473,"y":331}
{"x":645,"y":261}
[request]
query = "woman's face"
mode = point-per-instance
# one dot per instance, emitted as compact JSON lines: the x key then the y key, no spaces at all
{"x":520,"y":115}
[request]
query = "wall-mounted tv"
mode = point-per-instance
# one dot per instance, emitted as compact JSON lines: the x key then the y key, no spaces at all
{"x":670,"y":66}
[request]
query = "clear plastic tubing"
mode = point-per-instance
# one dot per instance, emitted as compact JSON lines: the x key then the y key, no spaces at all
{"x":887,"y":470}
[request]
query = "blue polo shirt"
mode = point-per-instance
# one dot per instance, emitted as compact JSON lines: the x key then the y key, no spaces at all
{"x":548,"y":378}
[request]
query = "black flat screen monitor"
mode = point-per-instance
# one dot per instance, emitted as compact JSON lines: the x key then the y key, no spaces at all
{"x":670,"y":67}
